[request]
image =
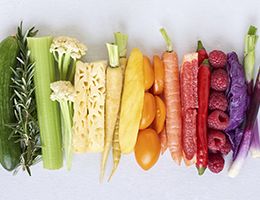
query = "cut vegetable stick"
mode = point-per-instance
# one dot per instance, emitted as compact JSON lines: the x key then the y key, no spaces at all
{"x":48,"y":111}
{"x":89,"y":107}
{"x":114,"y":83}
{"x":132,"y":101}
{"x":189,"y":99}
{"x":172,"y":100}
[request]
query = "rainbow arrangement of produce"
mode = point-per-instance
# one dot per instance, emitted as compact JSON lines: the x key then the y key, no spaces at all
{"x":53,"y":104}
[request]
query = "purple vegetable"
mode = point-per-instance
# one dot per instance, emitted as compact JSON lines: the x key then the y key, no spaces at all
{"x":248,"y":131}
{"x":254,"y":148}
{"x":238,"y":100}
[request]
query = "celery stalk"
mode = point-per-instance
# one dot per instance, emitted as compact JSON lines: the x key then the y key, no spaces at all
{"x":48,"y":111}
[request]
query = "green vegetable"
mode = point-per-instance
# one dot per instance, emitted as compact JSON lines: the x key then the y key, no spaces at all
{"x":9,"y":150}
{"x":25,"y":129}
{"x":48,"y":111}
{"x":63,"y":92}
{"x":66,"y":51}
{"x":249,"y":56}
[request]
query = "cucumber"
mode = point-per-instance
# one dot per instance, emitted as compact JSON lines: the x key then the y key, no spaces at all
{"x":9,"y":150}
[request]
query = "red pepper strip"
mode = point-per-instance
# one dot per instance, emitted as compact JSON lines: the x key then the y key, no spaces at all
{"x":202,"y":53}
{"x":203,"y":96}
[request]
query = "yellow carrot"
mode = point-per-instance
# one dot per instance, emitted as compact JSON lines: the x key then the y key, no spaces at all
{"x":132,"y":101}
{"x":114,"y":83}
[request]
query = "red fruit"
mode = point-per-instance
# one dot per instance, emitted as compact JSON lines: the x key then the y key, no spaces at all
{"x":217,"y":100}
{"x":226,"y":148}
{"x":216,"y":140}
{"x":216,"y":162}
{"x":219,"y":80}
{"x":218,"y":120}
{"x":217,"y":59}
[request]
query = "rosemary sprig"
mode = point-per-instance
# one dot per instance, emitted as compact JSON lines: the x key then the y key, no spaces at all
{"x":26,"y":129}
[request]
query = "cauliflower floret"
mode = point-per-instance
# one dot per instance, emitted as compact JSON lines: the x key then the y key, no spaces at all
{"x":62,"y":91}
{"x":72,"y":46}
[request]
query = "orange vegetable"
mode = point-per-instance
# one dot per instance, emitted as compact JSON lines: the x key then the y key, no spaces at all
{"x":148,"y":74}
{"x":147,"y":148}
{"x":158,"y":75}
{"x":160,"y":116}
{"x":172,"y":100}
{"x":149,"y":111}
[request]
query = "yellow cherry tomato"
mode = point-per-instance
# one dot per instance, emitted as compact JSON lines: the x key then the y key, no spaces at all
{"x":160,"y":116}
{"x":149,"y":111}
{"x":148,"y":74}
{"x":158,"y":67}
{"x":147,"y":148}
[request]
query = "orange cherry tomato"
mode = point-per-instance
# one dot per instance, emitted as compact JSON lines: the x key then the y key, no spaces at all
{"x":147,"y":148}
{"x":160,"y":116}
{"x":158,"y":75}
{"x":148,"y":74}
{"x":149,"y":111}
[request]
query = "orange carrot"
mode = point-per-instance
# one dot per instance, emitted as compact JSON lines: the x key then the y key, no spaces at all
{"x":172,"y":100}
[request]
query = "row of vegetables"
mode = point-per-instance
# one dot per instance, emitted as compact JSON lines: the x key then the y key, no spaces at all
{"x":52,"y":104}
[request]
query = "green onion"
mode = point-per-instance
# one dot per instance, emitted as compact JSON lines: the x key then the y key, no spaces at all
{"x":48,"y":111}
{"x":249,"y":56}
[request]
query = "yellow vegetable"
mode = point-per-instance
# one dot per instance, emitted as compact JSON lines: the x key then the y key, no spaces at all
{"x":114,"y":84}
{"x":89,"y":107}
{"x":132,"y":102}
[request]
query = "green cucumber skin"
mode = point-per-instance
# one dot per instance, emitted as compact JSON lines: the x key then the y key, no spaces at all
{"x":9,"y":150}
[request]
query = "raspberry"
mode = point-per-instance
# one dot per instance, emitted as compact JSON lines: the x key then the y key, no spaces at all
{"x":216,"y":162}
{"x":217,"y":100}
{"x":219,"y":80}
{"x":217,"y":59}
{"x":218,"y":120}
{"x":226,"y":148}
{"x":216,"y":140}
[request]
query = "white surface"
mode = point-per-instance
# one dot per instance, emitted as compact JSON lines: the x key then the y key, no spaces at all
{"x":220,"y":24}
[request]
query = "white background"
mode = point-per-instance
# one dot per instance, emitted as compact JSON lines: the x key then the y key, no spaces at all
{"x":220,"y":25}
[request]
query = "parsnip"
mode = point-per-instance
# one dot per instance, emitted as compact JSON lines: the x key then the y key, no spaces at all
{"x":114,"y":83}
